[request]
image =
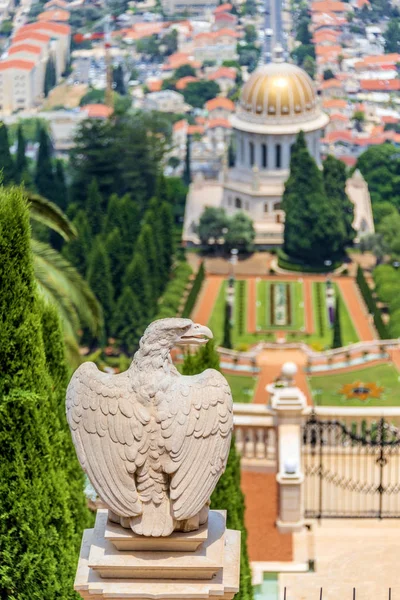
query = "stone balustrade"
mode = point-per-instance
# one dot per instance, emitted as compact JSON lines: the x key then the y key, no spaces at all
{"x":255,"y":433}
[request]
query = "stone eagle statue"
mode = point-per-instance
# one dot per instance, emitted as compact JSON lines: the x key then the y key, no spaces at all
{"x":152,"y":441}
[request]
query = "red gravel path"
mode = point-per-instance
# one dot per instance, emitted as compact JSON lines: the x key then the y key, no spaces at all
{"x":251,"y":306}
{"x":308,"y":305}
{"x":208,"y":296}
{"x":264,"y":541}
{"x":356,"y":308}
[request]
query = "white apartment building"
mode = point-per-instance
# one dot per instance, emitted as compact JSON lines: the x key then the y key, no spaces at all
{"x":18,"y":85}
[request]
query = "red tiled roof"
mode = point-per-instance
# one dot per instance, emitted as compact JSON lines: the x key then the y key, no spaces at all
{"x":54,"y":15}
{"x":214,"y":35}
{"x":327,"y":6}
{"x":59,"y":3}
{"x":338,"y":117}
{"x":97,"y":111}
{"x":389,"y":120}
{"x":214,"y":123}
{"x":154,"y":85}
{"x":183,"y":82}
{"x":15,"y":63}
{"x":39,"y":37}
{"x":330,"y":83}
{"x":327,"y":50}
{"x":225,"y":16}
{"x":193,"y":129}
{"x":349,"y":161}
{"x":380,"y":85}
{"x":220,"y":102}
{"x":223,"y":8}
{"x":30,"y":48}
{"x":334,"y":103}
{"x":223,"y":72}
{"x":179,"y":125}
{"x":362,"y":3}
{"x":46,"y":26}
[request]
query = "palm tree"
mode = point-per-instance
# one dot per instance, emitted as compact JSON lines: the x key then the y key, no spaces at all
{"x":58,"y":281}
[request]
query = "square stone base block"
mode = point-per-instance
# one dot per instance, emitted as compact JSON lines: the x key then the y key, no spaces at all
{"x":200,"y":564}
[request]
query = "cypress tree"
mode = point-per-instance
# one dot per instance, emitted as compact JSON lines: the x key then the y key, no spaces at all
{"x":227,"y":494}
{"x":38,"y":538}
{"x":146,"y":247}
{"x":61,"y":191}
{"x":21,"y":162}
{"x":337,"y":330}
{"x":93,"y":208}
{"x":227,"y":341}
{"x":77,"y":250}
{"x":119,"y":83}
{"x":167,"y":236}
{"x":313,"y":233}
{"x":187,"y":173}
{"x":334,"y":174}
{"x":7,"y":166}
{"x":44,"y":174}
{"x":128,"y":324}
{"x":138,"y":280}
{"x":115,"y":252}
{"x":123,"y":214}
{"x":50,"y":76}
{"x":100,"y":282}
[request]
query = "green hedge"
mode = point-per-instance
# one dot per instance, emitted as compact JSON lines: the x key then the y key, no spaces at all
{"x":371,"y":304}
{"x":387,"y":285}
{"x":194,"y":292}
{"x":289,"y":264}
{"x":172,"y":297}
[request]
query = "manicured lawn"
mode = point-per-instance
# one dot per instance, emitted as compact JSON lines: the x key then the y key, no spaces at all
{"x":242,"y":387}
{"x":322,"y":338}
{"x":264,"y":304}
{"x":326,"y":388}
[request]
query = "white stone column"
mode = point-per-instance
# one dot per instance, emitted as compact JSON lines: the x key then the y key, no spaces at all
{"x":288,"y":402}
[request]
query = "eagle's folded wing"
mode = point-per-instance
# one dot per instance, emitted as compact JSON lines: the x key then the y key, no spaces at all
{"x":108,"y":429}
{"x":196,"y":423}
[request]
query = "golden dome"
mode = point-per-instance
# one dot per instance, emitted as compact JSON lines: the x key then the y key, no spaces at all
{"x":277,"y":91}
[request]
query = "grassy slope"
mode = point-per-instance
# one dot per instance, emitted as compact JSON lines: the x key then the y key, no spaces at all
{"x":263,"y":309}
{"x":242,"y":387}
{"x":326,"y":388}
{"x":216,"y":321}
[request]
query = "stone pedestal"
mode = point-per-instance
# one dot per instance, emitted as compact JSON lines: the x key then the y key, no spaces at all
{"x":116,"y":563}
{"x":288,"y":403}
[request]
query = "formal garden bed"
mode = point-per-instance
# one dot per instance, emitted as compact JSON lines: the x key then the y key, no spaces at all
{"x":268,"y":323}
{"x":373,"y":386}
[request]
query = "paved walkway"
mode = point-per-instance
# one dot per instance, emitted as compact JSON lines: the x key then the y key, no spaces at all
{"x":361,"y":554}
{"x":251,"y":305}
{"x":264,"y":541}
{"x":207,"y":298}
{"x":270,"y":363}
{"x":356,"y":308}
{"x":308,"y":305}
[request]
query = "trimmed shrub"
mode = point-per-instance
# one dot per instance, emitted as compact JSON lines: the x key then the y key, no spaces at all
{"x":194,"y":292}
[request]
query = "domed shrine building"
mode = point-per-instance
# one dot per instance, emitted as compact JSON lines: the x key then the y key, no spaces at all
{"x":277,"y":101}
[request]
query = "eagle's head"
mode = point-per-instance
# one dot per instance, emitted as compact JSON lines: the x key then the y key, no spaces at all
{"x":167,"y":333}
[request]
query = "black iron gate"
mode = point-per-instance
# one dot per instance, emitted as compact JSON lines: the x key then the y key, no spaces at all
{"x":351,"y":470}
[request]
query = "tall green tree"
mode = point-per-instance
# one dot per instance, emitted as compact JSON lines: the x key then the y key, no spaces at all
{"x":129,"y":322}
{"x":44,"y":173}
{"x":61,"y":190}
{"x":7,"y":166}
{"x":94,"y":208}
{"x":100,"y":281}
{"x":119,"y":83}
{"x":228,"y":494}
{"x":146,"y":247}
{"x":77,"y":250}
{"x":167,"y":235}
{"x":187,"y":173}
{"x":334,"y":174}
{"x":138,"y":280}
{"x":392,"y":36}
{"x":312,"y":233}
{"x":39,"y":539}
{"x":227,"y":341}
{"x":50,"y":76}
{"x":21,"y":162}
{"x":337,"y":330}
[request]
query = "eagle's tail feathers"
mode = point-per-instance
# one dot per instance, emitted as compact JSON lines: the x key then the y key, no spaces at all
{"x":155,"y":521}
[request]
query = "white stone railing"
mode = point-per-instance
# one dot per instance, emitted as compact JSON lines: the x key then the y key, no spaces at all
{"x":255,"y":432}
{"x":327,"y":357}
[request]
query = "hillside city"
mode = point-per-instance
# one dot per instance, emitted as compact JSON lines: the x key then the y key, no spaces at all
{"x":236,"y":164}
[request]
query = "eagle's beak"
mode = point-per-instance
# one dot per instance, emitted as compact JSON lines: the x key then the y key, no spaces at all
{"x":197,"y":334}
